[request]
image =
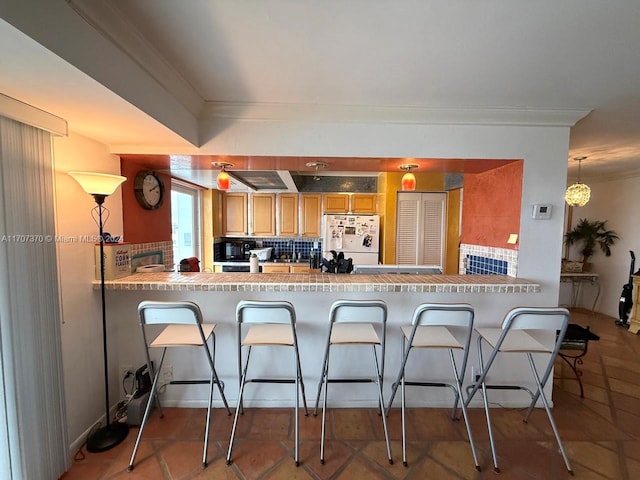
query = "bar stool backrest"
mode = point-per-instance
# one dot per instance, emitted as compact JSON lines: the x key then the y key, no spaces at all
{"x":444,"y":314}
{"x":274,"y":311}
{"x":357,"y":311}
{"x":537,"y":318}
{"x":159,"y":313}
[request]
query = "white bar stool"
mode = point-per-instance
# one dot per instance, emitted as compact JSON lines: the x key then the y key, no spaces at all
{"x":352,"y":323}
{"x":523,"y":332}
{"x":271,"y":323}
{"x":437,"y":326}
{"x":183,"y":327}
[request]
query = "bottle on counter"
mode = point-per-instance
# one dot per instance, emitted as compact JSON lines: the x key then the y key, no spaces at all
{"x":254,"y":265}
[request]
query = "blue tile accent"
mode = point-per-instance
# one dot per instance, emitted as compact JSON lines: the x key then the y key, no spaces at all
{"x":485,"y":266}
{"x":286,"y":247}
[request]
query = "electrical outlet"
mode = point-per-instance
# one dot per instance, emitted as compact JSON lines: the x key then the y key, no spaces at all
{"x":167,"y":373}
{"x":124,"y":369}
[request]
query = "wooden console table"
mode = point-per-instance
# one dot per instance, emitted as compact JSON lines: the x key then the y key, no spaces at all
{"x":576,"y":280}
{"x":634,"y":316}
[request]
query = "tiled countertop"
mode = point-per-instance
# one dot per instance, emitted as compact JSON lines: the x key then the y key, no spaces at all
{"x":322,"y":282}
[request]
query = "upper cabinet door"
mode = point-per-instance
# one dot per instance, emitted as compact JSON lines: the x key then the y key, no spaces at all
{"x":288,"y":214}
{"x":234,"y":213}
{"x":311,"y":205}
{"x":263,"y":214}
{"x":336,"y":203}
{"x":363,"y":203}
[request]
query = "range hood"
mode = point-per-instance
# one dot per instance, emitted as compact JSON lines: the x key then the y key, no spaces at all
{"x":280,"y":181}
{"x":261,"y":181}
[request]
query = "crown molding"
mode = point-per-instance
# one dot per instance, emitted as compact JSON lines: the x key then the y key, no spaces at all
{"x":392,"y":114}
{"x":29,"y":115}
{"x":109,"y":21}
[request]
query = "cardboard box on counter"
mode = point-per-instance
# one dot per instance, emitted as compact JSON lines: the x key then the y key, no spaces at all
{"x":117,"y":260}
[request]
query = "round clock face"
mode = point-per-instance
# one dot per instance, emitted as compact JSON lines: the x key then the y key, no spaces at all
{"x":149,"y":189}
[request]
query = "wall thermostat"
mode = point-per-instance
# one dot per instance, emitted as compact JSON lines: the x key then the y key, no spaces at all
{"x":542,"y":211}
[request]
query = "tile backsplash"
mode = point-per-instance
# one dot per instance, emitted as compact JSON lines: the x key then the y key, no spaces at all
{"x":478,"y":259}
{"x":156,"y":252}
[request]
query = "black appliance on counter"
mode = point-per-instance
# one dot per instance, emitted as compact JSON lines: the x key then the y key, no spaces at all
{"x":234,"y":250}
{"x":238,"y":268}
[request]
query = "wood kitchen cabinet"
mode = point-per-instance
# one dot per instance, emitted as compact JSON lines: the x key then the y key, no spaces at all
{"x":288,"y":214}
{"x":311,"y":206}
{"x":363,"y":203}
{"x":336,"y":202}
{"x":349,"y":203}
{"x":271,"y":268}
{"x":263,"y":214}
{"x":300,"y":268}
{"x":234,"y":213}
{"x":285,"y":268}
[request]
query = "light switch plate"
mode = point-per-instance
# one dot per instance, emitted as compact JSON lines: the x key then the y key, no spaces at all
{"x":541,"y":211}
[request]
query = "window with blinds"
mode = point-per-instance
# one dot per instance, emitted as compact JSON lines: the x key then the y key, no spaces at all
{"x":421,"y":227}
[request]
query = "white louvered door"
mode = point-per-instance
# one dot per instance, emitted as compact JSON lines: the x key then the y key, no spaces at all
{"x":421,"y":228}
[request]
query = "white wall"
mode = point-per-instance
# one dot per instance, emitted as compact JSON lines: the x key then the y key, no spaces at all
{"x":81,"y":312}
{"x":544,"y":150}
{"x":615,"y":201}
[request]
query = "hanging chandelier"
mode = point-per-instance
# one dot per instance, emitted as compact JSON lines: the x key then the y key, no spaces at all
{"x":577,"y":195}
{"x":223,"y":179}
{"x":408,"y":179}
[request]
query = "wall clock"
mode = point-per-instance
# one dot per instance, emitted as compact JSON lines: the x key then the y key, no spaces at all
{"x":149,"y":189}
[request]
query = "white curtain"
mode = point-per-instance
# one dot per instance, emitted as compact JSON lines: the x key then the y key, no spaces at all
{"x":33,"y":443}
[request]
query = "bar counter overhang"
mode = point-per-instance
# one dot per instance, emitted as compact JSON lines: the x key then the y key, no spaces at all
{"x":312,"y":295}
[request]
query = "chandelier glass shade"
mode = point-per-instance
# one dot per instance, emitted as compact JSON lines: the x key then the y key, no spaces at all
{"x":578,"y":194}
{"x":408,"y":181}
{"x":223,"y":179}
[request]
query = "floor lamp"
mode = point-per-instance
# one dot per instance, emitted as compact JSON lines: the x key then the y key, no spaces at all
{"x":100,"y":186}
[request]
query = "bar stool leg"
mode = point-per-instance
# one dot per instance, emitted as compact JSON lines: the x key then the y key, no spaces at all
{"x":463,"y":408}
{"x":324,"y":373}
{"x":548,"y":410}
{"x":325,"y":380}
{"x":147,"y":410}
{"x":403,"y":407}
{"x":206,"y":430}
{"x":215,"y":374}
{"x":238,"y":406}
{"x":296,"y":422}
{"x":301,"y":382}
{"x":496,"y":468}
{"x":381,"y":400}
{"x":153,"y":374}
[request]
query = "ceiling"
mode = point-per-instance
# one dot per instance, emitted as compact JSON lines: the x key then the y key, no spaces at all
{"x":404,"y":57}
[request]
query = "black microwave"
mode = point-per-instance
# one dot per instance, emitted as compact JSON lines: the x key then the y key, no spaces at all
{"x":237,"y":250}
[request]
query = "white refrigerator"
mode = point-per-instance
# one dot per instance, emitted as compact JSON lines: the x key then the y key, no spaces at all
{"x":356,"y":236}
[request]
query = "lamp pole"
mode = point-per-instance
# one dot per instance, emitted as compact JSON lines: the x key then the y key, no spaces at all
{"x":112,"y":433}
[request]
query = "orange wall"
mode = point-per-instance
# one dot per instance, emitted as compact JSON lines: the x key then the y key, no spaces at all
{"x":491,"y":206}
{"x":139,"y":224}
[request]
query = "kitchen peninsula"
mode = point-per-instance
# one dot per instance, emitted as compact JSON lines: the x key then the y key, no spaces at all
{"x":312,"y":294}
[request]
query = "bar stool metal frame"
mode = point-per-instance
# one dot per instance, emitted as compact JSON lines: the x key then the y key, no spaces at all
{"x":183,"y":327}
{"x":351,"y":322}
{"x":515,"y":337}
{"x":432,"y":327}
{"x":271,"y":323}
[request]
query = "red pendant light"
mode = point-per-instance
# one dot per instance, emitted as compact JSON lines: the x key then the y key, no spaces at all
{"x":223,"y":179}
{"x":408,"y":179}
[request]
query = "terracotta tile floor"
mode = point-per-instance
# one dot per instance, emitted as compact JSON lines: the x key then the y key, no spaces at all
{"x":601,"y":433}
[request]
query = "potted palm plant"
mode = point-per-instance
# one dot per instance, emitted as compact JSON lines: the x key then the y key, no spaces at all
{"x":590,"y":234}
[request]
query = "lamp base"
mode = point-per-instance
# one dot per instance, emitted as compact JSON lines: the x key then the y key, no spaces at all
{"x":107,"y":437}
